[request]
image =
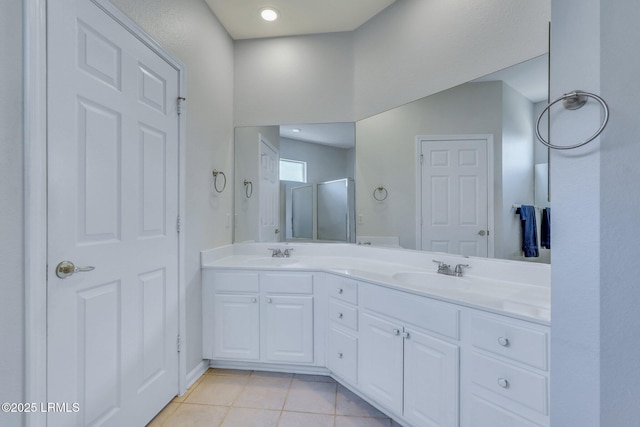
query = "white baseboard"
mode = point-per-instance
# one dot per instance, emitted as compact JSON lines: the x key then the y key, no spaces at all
{"x":196,"y":372}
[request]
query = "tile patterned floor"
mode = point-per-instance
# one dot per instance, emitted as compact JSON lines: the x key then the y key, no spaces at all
{"x":232,"y":398}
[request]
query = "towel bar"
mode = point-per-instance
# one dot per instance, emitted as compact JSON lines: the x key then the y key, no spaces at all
{"x":573,"y":101}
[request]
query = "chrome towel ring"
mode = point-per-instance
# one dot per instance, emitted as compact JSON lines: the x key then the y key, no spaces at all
{"x":380,"y":193}
{"x":215,"y":180}
{"x":248,"y":188}
{"x":573,"y":101}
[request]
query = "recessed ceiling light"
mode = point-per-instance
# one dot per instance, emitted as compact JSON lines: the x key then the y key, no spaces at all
{"x":269,"y":14}
{"x":296,"y":130}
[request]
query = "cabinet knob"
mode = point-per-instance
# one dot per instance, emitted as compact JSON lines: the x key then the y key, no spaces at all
{"x":254,"y":299}
{"x":339,"y":355}
{"x":340,"y":315}
{"x":503,"y":341}
{"x":269,"y":300}
{"x":340,"y":291}
{"x":502,"y":382}
{"x":396,"y":332}
{"x":405,"y":335}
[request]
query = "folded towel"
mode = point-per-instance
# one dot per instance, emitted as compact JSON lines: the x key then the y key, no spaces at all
{"x":545,"y":229}
{"x":529,"y":231}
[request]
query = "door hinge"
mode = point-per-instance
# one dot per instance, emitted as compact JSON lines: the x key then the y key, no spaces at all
{"x":178,"y":225}
{"x":179,"y":343}
{"x":179,"y":103}
{"x":421,"y":159}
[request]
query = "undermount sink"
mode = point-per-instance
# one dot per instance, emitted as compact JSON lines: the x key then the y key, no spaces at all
{"x":270,"y":261}
{"x":433,"y":281}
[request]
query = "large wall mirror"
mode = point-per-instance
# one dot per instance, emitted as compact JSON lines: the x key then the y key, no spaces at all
{"x":489,"y":120}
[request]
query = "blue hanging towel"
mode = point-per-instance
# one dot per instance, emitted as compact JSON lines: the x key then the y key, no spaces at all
{"x":545,"y":229}
{"x":529,"y":231}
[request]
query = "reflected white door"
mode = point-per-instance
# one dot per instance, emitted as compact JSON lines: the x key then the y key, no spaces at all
{"x":269,"y":192}
{"x":113,"y":204}
{"x":454,"y":196}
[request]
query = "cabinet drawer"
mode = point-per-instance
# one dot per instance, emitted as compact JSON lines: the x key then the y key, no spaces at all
{"x":507,"y":339}
{"x":514,"y":383}
{"x":290,"y":283}
{"x":422,"y":312}
{"x":343,"y":314}
{"x":484,"y":413}
{"x":232,"y":281}
{"x":343,"y":355}
{"x":342,"y":288}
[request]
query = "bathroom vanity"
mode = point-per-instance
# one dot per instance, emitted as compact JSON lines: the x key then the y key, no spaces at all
{"x":427,"y":349}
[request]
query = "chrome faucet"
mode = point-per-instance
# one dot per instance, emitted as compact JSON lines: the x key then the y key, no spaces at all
{"x":279,"y":253}
{"x":276,"y":253}
{"x":446,"y":269}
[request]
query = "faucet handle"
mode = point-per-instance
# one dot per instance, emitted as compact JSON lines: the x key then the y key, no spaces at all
{"x":275,"y":252}
{"x":440,"y":263}
{"x":287,"y":252}
{"x":458,"y":269}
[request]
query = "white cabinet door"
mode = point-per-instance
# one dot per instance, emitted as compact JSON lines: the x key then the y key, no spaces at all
{"x":288,"y":328}
{"x":430,"y":380}
{"x":236,"y":327}
{"x":380,"y":361}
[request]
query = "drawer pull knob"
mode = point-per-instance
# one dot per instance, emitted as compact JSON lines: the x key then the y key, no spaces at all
{"x":339,"y":355}
{"x":340,"y":315}
{"x":396,"y":332}
{"x":502,"y":382}
{"x":405,"y":335}
{"x":269,"y":300}
{"x":340,"y":291}
{"x":503,"y":341}
{"x":254,"y":300}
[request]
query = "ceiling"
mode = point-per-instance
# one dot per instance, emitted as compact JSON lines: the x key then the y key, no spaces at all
{"x":242,"y":20}
{"x":342,"y":135}
{"x":530,"y":78}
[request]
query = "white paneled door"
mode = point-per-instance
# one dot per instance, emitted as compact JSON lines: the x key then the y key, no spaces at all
{"x":113,"y":205}
{"x":454,"y":196}
{"x":269,"y":192}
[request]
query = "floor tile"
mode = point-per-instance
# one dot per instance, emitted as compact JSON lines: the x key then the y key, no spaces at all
{"x":348,"y":403}
{"x":270,"y":374}
{"x":166,"y":412}
{"x":311,"y":396}
{"x":345,"y":421}
{"x":218,"y":389}
{"x":264,"y":392}
{"x":248,"y":417}
{"x":188,"y":415}
{"x":303,"y":419}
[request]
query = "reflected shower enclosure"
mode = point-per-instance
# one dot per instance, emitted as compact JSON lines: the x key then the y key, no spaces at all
{"x":322,"y":212}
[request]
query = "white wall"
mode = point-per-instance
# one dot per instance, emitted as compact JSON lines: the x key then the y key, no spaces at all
{"x":517,"y":168}
{"x":595,"y":293}
{"x":285,"y":80}
{"x":415,"y":48}
{"x":190,"y":31}
{"x":11,"y":212}
{"x":247,"y":158}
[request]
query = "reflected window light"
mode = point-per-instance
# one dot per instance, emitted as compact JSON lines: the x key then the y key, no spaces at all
{"x":293,"y":170}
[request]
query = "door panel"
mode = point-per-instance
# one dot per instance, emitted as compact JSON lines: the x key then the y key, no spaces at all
{"x":112,"y":204}
{"x":454,"y":196}
{"x":269,"y":192}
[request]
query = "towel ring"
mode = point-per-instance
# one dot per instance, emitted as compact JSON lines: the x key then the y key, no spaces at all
{"x":573,"y":101}
{"x":383,"y":191}
{"x":248,"y":188}
{"x":215,"y":180}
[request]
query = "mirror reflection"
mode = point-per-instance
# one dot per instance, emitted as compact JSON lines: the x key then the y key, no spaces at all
{"x":488,"y":122}
{"x":315,"y":198}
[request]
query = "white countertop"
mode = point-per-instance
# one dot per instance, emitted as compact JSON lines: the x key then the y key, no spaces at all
{"x":513,"y":288}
